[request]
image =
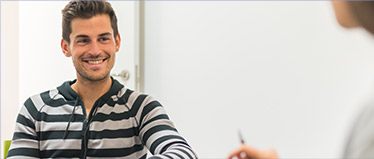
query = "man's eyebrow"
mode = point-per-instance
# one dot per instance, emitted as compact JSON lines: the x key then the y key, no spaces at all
{"x":81,"y":36}
{"x":100,"y":35}
{"x":105,"y":34}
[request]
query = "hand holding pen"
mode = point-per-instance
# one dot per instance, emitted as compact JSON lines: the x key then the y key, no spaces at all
{"x":248,"y":152}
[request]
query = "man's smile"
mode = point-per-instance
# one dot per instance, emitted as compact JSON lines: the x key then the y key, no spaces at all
{"x":95,"y":61}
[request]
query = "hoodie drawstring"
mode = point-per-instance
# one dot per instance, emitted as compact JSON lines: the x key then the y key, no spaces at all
{"x":71,"y":118}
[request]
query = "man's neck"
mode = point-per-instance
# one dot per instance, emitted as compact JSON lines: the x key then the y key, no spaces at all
{"x":91,"y":91}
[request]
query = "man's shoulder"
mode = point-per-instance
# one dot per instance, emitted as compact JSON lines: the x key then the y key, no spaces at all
{"x":48,"y":93}
{"x":358,"y":144}
{"x":128,"y":94}
{"x":41,"y":98}
{"x":133,"y":97}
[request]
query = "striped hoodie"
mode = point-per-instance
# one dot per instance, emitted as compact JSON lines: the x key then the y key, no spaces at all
{"x":121,"y":124}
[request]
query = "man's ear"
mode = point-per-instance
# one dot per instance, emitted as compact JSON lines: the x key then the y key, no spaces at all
{"x":118,"y":42}
{"x":65,"y":48}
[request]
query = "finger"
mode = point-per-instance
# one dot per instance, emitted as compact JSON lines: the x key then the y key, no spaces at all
{"x":243,"y":155}
{"x":235,"y":153}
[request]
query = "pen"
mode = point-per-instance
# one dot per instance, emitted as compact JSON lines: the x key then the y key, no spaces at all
{"x":241,"y":137}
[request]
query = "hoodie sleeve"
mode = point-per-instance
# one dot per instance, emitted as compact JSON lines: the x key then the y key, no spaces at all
{"x":159,"y":134}
{"x":25,"y":143}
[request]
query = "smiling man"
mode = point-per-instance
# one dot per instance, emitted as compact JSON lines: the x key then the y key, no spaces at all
{"x":94,"y":115}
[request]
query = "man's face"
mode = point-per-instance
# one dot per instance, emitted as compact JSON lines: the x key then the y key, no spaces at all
{"x":92,"y":47}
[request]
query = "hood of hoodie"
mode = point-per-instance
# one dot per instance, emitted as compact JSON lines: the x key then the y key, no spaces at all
{"x":70,"y":95}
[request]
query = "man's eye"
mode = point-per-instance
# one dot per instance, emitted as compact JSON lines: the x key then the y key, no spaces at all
{"x":103,"y":39}
{"x":82,"y":41}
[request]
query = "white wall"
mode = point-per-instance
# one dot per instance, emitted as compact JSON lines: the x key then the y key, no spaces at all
{"x":9,"y":67}
{"x":283,"y":72}
{"x":43,"y":66}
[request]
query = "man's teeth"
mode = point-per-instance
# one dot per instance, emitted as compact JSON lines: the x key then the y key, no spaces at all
{"x":95,"y":61}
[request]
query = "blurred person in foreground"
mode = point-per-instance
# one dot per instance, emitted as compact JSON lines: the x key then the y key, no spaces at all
{"x":360,"y":143}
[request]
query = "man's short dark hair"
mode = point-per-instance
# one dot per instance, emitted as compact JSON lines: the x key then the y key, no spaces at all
{"x":86,"y":9}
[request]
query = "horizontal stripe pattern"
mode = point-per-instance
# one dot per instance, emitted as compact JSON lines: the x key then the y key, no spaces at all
{"x":66,"y":108}
{"x":126,"y":125}
{"x":52,"y":144}
{"x":23,"y":157}
{"x":60,"y":126}
{"x":106,"y":143}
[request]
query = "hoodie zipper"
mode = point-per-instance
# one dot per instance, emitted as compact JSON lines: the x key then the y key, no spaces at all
{"x":84,"y":138}
{"x":86,"y":128}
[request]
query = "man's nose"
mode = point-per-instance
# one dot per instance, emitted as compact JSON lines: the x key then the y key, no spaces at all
{"x":95,"y":48}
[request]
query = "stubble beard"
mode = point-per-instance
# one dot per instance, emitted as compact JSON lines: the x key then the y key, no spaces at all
{"x":87,"y":77}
